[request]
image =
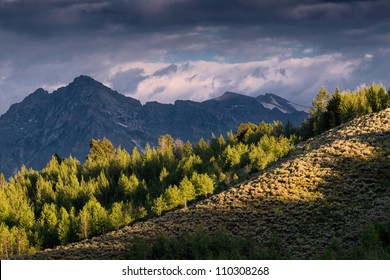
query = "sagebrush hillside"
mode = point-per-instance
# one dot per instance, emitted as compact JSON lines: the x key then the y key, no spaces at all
{"x":329,"y":188}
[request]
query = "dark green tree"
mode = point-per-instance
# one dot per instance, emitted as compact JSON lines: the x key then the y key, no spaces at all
{"x":333,"y":110}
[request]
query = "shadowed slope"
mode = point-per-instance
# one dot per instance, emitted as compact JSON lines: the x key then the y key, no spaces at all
{"x":329,"y":187}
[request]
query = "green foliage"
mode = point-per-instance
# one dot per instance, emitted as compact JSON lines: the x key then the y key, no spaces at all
{"x":68,"y":201}
{"x":63,"y":230}
{"x":202,"y":183}
{"x":333,"y":110}
{"x":120,"y":214}
{"x":126,"y":187}
{"x":13,"y":241}
{"x":2,"y":181}
{"x":159,"y":205}
{"x":172,"y":197}
{"x":47,"y":225}
{"x":100,"y":154}
{"x":343,"y":107}
{"x":198,"y":245}
{"x":373,"y":244}
{"x":187,"y":191}
{"x":93,"y":219}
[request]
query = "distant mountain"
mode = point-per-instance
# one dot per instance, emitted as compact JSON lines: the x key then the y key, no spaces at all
{"x":65,"y":121}
{"x":271,"y":101}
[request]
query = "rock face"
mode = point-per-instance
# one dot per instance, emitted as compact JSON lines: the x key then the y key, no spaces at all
{"x":329,"y":187}
{"x":65,"y":121}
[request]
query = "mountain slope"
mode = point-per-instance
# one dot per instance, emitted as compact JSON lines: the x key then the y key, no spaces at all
{"x":65,"y":121}
{"x":271,"y":101}
{"x":330,"y":187}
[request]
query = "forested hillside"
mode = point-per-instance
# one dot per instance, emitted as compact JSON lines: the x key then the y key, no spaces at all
{"x":325,"y":187}
{"x":68,"y":201}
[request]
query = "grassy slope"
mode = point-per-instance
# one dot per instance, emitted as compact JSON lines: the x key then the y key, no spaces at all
{"x":329,"y":187}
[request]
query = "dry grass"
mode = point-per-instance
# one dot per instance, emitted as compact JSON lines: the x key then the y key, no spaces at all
{"x":330,"y":186}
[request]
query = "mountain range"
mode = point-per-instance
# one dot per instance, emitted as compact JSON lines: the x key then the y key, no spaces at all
{"x":65,"y":121}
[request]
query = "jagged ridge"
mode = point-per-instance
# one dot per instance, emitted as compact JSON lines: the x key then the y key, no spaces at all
{"x":65,"y":121}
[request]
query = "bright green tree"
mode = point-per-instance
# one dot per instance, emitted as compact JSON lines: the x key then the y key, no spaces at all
{"x":159,"y":205}
{"x":64,"y":227}
{"x":119,"y":215}
{"x":47,"y":224}
{"x":187,"y":191}
{"x":172,"y":197}
{"x":126,"y":187}
{"x":202,"y":183}
{"x":93,"y":219}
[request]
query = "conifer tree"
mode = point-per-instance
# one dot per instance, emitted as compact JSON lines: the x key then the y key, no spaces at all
{"x":172,"y":197}
{"x":5,"y":241}
{"x":333,"y":110}
{"x":159,"y":205}
{"x":63,"y":226}
{"x":19,"y":241}
{"x":187,"y":191}
{"x":202,"y":183}
{"x":48,"y":222}
{"x":117,"y":217}
{"x":317,"y":114}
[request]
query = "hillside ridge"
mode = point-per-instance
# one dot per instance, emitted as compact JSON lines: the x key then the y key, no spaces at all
{"x":329,"y":187}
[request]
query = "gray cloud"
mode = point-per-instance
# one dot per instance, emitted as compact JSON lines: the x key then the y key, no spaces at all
{"x":48,"y":42}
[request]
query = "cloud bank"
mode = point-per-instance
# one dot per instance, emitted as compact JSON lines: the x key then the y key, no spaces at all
{"x":201,"y":80}
{"x":193,"y":49}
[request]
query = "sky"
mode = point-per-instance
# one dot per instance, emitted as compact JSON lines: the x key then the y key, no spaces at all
{"x":165,"y":50}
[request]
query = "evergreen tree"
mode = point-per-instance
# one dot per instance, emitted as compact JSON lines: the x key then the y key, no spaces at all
{"x":64,"y":227}
{"x":202,"y":149}
{"x":117,"y":216}
{"x":172,"y":197}
{"x":100,"y":154}
{"x":45,"y":192}
{"x":19,"y":241}
{"x":103,"y":191}
{"x":166,"y":143}
{"x":189,"y":164}
{"x":159,"y":205}
{"x":51,"y":170}
{"x":202,"y":183}
{"x":333,"y":110}
{"x":47,"y":224}
{"x":93,"y":219}
{"x":187,"y":191}
{"x":244,"y":131}
{"x":5,"y":241}
{"x":136,"y":163}
{"x":320,"y":104}
{"x":126,"y":187}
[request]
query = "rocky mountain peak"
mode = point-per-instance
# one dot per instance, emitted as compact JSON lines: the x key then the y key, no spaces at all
{"x":36,"y":95}
{"x":228,"y":95}
{"x":65,"y":121}
{"x":85,"y":80}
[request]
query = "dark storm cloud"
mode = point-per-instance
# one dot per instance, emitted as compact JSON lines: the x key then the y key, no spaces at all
{"x":48,"y":42}
{"x":324,"y":23}
{"x":47,"y":16}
